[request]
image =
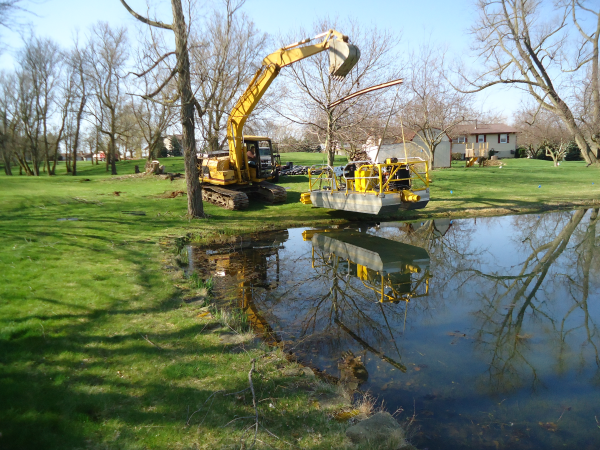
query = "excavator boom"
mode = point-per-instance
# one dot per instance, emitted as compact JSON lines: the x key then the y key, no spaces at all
{"x":342,"y":57}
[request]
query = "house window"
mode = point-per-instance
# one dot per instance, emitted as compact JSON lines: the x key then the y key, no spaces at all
{"x":481,"y":138}
{"x":461,"y":140}
{"x":504,"y":138}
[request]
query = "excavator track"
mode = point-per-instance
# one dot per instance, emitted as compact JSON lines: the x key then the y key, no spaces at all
{"x":271,"y":192}
{"x":225,"y":198}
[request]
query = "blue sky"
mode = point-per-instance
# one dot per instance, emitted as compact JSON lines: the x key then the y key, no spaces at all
{"x":443,"y":22}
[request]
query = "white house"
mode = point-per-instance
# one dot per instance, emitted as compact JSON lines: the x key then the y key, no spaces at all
{"x":500,"y":137}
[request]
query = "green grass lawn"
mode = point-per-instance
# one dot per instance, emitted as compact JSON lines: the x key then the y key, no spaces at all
{"x":98,"y":349}
{"x":76,"y":299}
{"x":521,"y":185}
{"x":308,"y":159}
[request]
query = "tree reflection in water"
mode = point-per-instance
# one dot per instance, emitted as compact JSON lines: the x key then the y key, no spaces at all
{"x":521,"y":289}
{"x":348,"y":299}
{"x":505,"y":299}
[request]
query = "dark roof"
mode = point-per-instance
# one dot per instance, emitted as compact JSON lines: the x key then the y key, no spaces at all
{"x":488,"y":128}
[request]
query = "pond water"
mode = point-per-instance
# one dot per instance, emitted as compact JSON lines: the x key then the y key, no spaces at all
{"x":485,"y":329}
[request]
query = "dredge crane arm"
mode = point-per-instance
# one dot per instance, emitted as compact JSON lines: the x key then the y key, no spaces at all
{"x":342,"y":57}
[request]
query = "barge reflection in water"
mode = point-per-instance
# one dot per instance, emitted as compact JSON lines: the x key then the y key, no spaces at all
{"x":490,"y":329}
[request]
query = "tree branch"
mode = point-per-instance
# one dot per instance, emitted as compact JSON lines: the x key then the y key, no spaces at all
{"x":153,"y":65}
{"x":145,"y":20}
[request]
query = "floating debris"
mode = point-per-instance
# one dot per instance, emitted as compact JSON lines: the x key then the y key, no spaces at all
{"x":524,"y":336}
{"x":550,"y":426}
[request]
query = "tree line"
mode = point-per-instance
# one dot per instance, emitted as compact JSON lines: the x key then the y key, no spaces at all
{"x":104,"y":94}
{"x":97,"y":96}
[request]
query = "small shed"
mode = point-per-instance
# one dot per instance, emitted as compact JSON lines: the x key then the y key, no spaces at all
{"x":413,"y":146}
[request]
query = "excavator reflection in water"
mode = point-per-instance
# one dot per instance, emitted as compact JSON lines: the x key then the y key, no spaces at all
{"x":329,"y":302}
{"x":242,"y":269}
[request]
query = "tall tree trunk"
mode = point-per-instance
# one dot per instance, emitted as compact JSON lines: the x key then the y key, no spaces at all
{"x":46,"y":149}
{"x":586,"y":151}
{"x":194,"y":190}
{"x":78,"y":121}
{"x":23,"y":165}
{"x":46,"y":163}
{"x":76,"y":145}
{"x":213,"y":142}
{"x":6,"y":157}
{"x":36,"y":164}
{"x":113,"y":155}
{"x":329,"y":147}
{"x":97,"y":148}
{"x":54,"y":161}
{"x":595,"y":87}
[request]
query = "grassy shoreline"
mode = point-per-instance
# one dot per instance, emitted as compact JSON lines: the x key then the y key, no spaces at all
{"x":98,"y":346}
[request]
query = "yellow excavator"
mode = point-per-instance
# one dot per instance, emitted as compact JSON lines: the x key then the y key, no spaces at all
{"x":228,"y":178}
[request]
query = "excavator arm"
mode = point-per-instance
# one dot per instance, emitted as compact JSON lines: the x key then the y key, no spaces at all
{"x":342,"y":57}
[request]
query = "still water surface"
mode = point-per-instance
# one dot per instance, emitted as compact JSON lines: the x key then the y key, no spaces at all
{"x":486,"y":329}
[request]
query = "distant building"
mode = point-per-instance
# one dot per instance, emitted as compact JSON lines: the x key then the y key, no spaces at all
{"x":413,"y":146}
{"x":500,"y":137}
{"x":169,"y":145}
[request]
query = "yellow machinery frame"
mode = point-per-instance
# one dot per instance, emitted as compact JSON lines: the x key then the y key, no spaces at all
{"x":324,"y":177}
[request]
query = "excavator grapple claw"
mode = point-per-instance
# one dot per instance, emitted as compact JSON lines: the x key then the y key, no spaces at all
{"x":342,"y":58}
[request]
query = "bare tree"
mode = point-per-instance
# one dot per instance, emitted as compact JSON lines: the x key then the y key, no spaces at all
{"x":588,"y":107}
{"x":225,"y":53}
{"x":310,"y":90}
{"x":8,"y":120}
{"x":76,"y":59}
{"x":25,"y":109}
{"x":153,"y":120}
{"x":9,"y":12}
{"x":540,"y":129}
{"x":432,"y":107}
{"x":130,"y":134}
{"x":7,"y":7}
{"x":519,"y":48}
{"x":556,"y":152}
{"x":107,"y":56}
{"x":93,"y":141}
{"x":43,"y":59}
{"x":64,"y":100}
{"x":186,"y":98}
{"x":39,"y":77}
{"x":153,"y":117}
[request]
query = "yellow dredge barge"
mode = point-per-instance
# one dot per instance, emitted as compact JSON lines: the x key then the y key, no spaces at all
{"x":364,"y":187}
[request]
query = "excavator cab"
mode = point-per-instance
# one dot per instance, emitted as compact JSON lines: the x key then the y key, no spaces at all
{"x":261,"y":159}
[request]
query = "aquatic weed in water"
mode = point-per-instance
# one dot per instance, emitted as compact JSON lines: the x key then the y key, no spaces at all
{"x":199,"y":283}
{"x":234,"y":319}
